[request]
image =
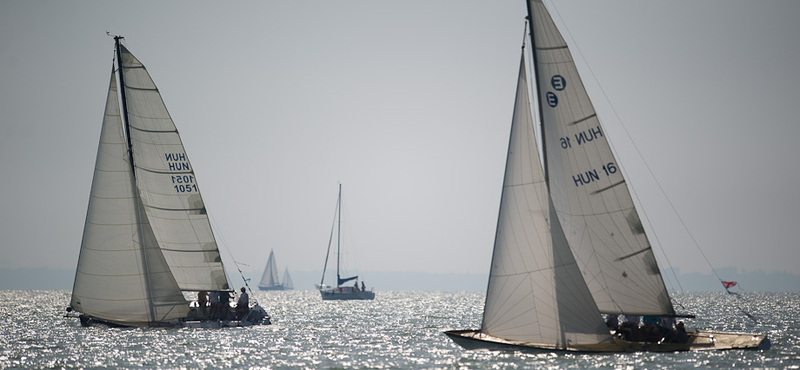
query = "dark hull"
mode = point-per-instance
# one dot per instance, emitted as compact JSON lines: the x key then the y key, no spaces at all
{"x":332,"y":295}
{"x":256,"y":316}
{"x":88,"y":321}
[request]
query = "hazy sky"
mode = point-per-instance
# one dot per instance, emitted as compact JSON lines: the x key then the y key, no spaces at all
{"x":408,"y":105}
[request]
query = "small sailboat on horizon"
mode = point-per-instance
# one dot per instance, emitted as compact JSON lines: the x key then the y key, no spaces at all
{"x":569,"y":244}
{"x":147,"y":237}
{"x":270,"y":281}
{"x":341,"y":291}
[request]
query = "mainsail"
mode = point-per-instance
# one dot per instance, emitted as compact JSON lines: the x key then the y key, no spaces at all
{"x":536,"y":293}
{"x":168,"y":185}
{"x":588,"y":191}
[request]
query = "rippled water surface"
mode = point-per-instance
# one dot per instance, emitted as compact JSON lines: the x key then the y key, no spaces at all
{"x":398,"y":330}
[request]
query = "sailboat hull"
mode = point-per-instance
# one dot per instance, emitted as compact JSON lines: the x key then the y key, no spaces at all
{"x":698,"y":341}
{"x":255,"y":316}
{"x":335,"y":295}
{"x":475,"y":339}
{"x":90,"y":321}
{"x":273,"y":287}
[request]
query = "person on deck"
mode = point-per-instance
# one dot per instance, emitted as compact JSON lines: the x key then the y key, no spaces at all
{"x":242,"y":305}
{"x":202,"y":303}
{"x":612,"y":321}
{"x":224,"y":305}
{"x":213,"y":297}
{"x":650,"y":328}
{"x":665,"y":324}
{"x":680,"y":333}
{"x":363,"y":287}
{"x":355,"y":287}
{"x":630,"y":328}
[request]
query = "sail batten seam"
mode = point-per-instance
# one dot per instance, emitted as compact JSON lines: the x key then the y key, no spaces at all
{"x":582,"y":119}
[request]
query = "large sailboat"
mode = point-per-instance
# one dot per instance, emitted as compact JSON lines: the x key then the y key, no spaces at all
{"x":270,"y":281}
{"x":569,"y":244}
{"x":147,"y":237}
{"x":341,"y":291}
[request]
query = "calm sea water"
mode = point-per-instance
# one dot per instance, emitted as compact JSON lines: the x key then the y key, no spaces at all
{"x":399,"y":330}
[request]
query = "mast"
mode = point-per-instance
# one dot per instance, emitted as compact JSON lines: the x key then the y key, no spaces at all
{"x":538,"y":96}
{"x":124,"y":102}
{"x":339,"y":235}
{"x":126,"y":125}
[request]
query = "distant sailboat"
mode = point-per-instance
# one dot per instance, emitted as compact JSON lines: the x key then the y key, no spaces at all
{"x":147,"y":238}
{"x":269,"y":280}
{"x":569,"y":243}
{"x":287,"y":280}
{"x":341,"y":292}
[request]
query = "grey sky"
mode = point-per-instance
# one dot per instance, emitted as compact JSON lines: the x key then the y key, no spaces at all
{"x":408,"y":104}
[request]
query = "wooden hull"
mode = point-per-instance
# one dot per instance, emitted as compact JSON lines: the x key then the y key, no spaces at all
{"x":698,"y":341}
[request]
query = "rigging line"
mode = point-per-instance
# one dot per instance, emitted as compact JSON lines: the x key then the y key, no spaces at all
{"x":330,"y":241}
{"x":636,"y":195}
{"x":230,"y":254}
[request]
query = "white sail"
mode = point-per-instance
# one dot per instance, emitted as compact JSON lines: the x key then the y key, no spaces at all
{"x":168,"y":185}
{"x":270,"y":276}
{"x":121,"y":275}
{"x":287,"y":280}
{"x":588,"y":190}
{"x":536,"y":293}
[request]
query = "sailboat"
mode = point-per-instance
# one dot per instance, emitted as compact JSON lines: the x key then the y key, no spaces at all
{"x":147,"y":238}
{"x":287,"y":280}
{"x":269,"y":280}
{"x":341,"y":291}
{"x":569,"y":244}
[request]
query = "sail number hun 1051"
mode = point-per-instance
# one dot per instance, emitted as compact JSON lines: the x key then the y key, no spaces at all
{"x":184,"y":184}
{"x":593,"y":175}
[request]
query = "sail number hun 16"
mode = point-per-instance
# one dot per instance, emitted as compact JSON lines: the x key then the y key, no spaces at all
{"x":593,"y":175}
{"x":184,"y":184}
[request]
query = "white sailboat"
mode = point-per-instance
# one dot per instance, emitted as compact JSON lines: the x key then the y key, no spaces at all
{"x":147,"y":238}
{"x":287,"y":280}
{"x":569,"y":244}
{"x":269,"y":280}
{"x":341,"y":291}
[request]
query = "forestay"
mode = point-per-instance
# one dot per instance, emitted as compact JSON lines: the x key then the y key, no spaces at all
{"x":168,"y":185}
{"x":536,"y":293}
{"x":588,"y":190}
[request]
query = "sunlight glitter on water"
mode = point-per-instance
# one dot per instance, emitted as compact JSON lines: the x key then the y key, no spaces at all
{"x":396,"y":330}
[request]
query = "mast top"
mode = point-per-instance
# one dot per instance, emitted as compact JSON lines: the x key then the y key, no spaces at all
{"x":116,"y":37}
